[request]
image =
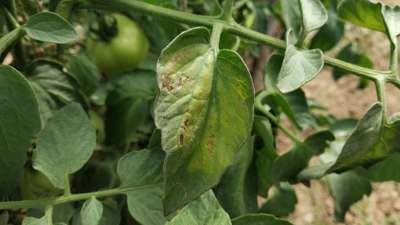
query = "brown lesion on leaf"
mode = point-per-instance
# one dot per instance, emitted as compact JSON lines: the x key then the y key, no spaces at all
{"x":184,"y":128}
{"x":181,"y":139}
{"x":170,"y":84}
{"x":166,"y":83}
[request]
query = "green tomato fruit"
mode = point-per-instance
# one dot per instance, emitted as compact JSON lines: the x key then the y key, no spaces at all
{"x":124,"y":52}
{"x":36,"y":185}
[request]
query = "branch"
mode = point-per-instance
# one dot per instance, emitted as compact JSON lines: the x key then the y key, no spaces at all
{"x":209,"y":21}
{"x":45,"y":202}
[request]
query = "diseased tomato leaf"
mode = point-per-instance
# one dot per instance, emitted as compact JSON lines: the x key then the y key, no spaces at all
{"x":203,"y":93}
{"x":237,"y":190}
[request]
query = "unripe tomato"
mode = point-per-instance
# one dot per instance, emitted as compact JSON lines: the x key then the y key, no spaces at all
{"x":36,"y":185}
{"x":125,"y":51}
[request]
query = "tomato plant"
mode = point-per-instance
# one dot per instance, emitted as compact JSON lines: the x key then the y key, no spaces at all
{"x":181,"y":136}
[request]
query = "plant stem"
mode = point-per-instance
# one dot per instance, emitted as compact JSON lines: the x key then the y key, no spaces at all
{"x":394,"y":58}
{"x":208,"y":21}
{"x":45,"y":202}
{"x":67,"y":185}
{"x":49,"y":214}
{"x":227,"y":11}
{"x":216,"y":36}
{"x":259,"y":106}
{"x":380,"y":93}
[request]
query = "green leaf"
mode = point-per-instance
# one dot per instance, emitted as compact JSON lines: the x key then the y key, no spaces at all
{"x":314,"y":15}
{"x":291,"y":15}
{"x":298,"y":68}
{"x":332,"y":32}
{"x":111,"y":215}
{"x":298,"y":103}
{"x":385,"y":170}
{"x":362,"y":13}
{"x":283,"y":168}
{"x":19,"y":122}
{"x":259,"y":219}
{"x":302,"y":17}
{"x":63,"y":213}
{"x":8,"y":39}
{"x":141,"y":171}
{"x":128,"y":106}
{"x":202,"y":93}
{"x":264,"y":156}
{"x":237,"y":190}
{"x":205,"y":210}
{"x":53,"y":87}
{"x":85,"y":72}
{"x":391,"y":17}
{"x":65,"y":144}
{"x":293,"y":104}
{"x":341,"y":130}
{"x":281,"y":202}
{"x":353,"y":54}
{"x":91,"y":212}
{"x":275,"y":98}
{"x":367,"y":143}
{"x":347,"y":188}
{"x":50,"y":27}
